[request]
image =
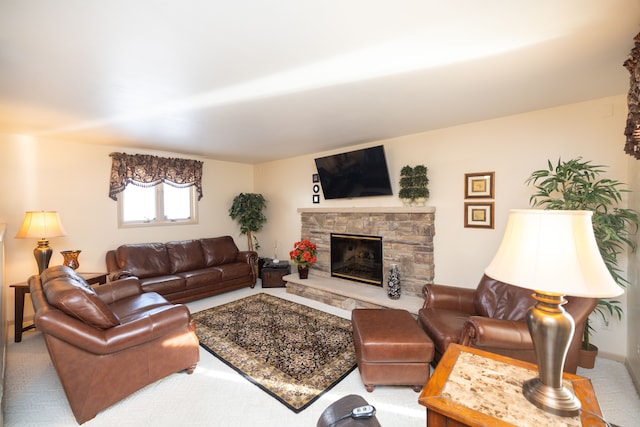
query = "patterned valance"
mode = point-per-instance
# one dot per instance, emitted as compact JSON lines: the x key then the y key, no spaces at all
{"x":632,"y":130}
{"x":147,"y":171}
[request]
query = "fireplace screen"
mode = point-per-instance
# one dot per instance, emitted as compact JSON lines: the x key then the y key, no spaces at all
{"x":356,"y":257}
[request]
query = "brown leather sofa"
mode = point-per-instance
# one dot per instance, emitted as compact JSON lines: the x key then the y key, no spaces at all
{"x":185,"y":270}
{"x":110,"y":341}
{"x":492,"y":318}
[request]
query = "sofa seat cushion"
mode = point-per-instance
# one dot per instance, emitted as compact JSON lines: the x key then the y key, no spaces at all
{"x":443,"y":326}
{"x":163,"y":284}
{"x":234,"y":271}
{"x":219,"y":250}
{"x":144,"y":260}
{"x":202,"y":277}
{"x":131,"y":308}
{"x":185,"y":255}
{"x":79,"y":300}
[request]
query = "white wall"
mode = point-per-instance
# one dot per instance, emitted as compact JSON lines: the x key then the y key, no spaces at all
{"x":511,"y":146}
{"x":73,"y":179}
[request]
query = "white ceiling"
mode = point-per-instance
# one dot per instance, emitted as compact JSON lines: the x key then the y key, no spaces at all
{"x":256,"y":80}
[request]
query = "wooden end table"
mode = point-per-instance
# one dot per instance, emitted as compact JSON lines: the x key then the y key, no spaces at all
{"x":272,"y":274}
{"x":476,"y":388}
{"x":22,"y":289}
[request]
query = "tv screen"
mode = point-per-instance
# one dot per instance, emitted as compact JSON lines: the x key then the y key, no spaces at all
{"x":359,"y":173}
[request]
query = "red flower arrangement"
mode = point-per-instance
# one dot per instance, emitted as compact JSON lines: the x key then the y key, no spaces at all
{"x":304,"y":253}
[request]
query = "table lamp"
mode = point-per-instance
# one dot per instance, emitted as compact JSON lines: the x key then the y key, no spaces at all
{"x":41,"y":225}
{"x":554,"y":253}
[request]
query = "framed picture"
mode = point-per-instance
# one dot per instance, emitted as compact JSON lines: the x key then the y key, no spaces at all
{"x":316,"y":188}
{"x":316,"y":198}
{"x":315,"y":177}
{"x":478,"y":215}
{"x":479,"y":185}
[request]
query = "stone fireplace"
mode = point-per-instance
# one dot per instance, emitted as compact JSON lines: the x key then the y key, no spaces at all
{"x":407,"y":240}
{"x":357,"y":257}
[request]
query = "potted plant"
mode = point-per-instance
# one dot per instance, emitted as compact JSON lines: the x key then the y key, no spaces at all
{"x":577,"y":185}
{"x":420,"y":185}
{"x":304,"y":255}
{"x":406,"y":185}
{"x":247,"y":209}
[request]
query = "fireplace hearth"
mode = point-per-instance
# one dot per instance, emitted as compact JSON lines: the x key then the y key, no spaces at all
{"x":357,"y":257}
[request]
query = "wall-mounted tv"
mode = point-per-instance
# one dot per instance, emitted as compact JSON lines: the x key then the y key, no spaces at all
{"x":359,"y":173}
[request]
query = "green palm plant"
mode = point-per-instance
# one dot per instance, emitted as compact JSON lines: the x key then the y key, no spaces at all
{"x":247,"y":209}
{"x":577,"y":185}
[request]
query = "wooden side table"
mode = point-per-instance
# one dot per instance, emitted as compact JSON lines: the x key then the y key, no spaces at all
{"x":476,"y":388}
{"x":272,"y":274}
{"x":22,"y":289}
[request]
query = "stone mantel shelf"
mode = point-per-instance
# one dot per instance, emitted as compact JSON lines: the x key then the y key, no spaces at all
{"x":352,"y":293}
{"x":365,"y":209}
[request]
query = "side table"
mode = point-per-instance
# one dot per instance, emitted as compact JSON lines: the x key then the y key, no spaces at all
{"x":272,"y":274}
{"x":22,"y":289}
{"x":476,"y":388}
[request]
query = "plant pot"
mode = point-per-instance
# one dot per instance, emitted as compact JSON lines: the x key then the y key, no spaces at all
{"x":420,"y":201}
{"x":406,"y":202}
{"x":303,"y":272}
{"x":587,"y":358}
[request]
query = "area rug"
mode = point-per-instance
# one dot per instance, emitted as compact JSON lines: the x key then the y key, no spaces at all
{"x":293,"y":352}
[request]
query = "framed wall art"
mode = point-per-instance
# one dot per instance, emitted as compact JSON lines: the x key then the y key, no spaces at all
{"x":478,"y":215}
{"x":479,"y":185}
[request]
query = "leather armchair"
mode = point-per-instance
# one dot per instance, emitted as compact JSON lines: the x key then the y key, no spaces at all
{"x":108,"y":342}
{"x":492,"y":318}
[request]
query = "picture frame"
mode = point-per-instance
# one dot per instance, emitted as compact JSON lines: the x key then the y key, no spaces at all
{"x":315,"y":177}
{"x":479,"y":185}
{"x":316,"y":198}
{"x":316,"y":188}
{"x":479,"y":215}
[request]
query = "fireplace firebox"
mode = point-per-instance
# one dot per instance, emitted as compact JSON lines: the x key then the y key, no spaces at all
{"x":357,"y":257}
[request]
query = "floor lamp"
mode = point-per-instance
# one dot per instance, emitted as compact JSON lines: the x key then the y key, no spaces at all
{"x":554,"y":253}
{"x":41,"y":225}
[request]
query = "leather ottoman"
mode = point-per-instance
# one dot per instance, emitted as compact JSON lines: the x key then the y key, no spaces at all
{"x":391,"y":348}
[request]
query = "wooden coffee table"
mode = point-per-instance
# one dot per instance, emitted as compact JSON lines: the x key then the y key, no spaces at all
{"x":23,"y":288}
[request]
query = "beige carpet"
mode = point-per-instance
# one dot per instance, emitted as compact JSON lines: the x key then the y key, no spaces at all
{"x":291,"y":351}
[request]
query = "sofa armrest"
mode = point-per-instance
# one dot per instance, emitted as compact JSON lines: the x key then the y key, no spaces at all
{"x":496,"y":333}
{"x":250,"y":257}
{"x":449,"y":298}
{"x":119,"y":289}
{"x":102,"y":342}
{"x":119,"y":274}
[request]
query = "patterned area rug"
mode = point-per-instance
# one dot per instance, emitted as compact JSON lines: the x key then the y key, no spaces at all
{"x":293,"y":352}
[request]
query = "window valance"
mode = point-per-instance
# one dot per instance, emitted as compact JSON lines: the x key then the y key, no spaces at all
{"x":146,"y":171}
{"x":632,"y":130}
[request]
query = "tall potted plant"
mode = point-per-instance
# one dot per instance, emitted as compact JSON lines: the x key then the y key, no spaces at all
{"x":577,"y":185}
{"x":247,"y":209}
{"x":406,"y":185}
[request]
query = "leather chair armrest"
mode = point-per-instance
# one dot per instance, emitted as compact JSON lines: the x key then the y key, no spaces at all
{"x":453,"y":298}
{"x":119,"y":289}
{"x":120,"y":274}
{"x":485,"y":332}
{"x":118,"y":338}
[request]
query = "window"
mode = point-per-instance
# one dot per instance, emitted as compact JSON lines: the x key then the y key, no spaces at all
{"x":161,"y":204}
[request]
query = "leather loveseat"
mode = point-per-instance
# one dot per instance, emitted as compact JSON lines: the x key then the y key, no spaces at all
{"x":110,"y":341}
{"x":492,"y":318}
{"x":185,"y":270}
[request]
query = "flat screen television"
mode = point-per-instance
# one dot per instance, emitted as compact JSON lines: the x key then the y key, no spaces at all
{"x":359,"y":173}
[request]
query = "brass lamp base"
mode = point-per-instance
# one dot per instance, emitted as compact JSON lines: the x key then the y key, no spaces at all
{"x":559,"y":401}
{"x":42,"y":253}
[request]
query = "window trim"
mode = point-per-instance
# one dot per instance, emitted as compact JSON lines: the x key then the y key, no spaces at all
{"x":160,"y":219}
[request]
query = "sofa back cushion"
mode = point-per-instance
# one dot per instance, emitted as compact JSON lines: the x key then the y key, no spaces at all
{"x":219,"y":250}
{"x":500,"y":300}
{"x":77,"y":299}
{"x":185,"y":256}
{"x":144,"y":259}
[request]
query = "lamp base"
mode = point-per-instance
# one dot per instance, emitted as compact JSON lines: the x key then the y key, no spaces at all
{"x":42,"y":253}
{"x":559,"y":401}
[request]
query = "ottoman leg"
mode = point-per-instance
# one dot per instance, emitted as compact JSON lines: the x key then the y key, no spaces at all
{"x":369,"y":387}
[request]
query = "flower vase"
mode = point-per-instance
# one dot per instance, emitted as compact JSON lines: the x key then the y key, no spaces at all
{"x":393,"y":282}
{"x":303,"y":272}
{"x":71,"y":259}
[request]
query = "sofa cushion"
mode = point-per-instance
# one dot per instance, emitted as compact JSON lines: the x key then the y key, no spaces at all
{"x":185,"y":255}
{"x":499,"y":300}
{"x":219,"y":250}
{"x":77,"y":300}
{"x":144,"y":259}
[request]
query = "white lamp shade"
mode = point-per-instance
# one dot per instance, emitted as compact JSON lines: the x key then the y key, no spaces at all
{"x":552,"y":251}
{"x":40,"y":225}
